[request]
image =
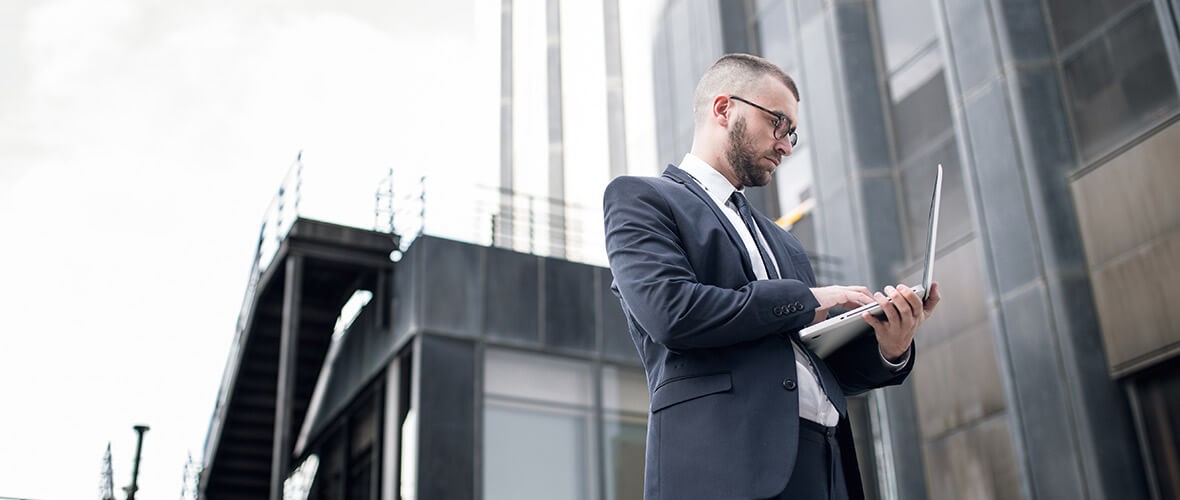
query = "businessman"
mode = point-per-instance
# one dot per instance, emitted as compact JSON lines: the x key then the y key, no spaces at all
{"x":715,"y":294}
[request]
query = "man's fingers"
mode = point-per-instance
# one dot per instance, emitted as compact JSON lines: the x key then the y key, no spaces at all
{"x":903,"y":307}
{"x":890,"y":311}
{"x":912,"y":298}
{"x":932,"y":299}
{"x":859,"y":299}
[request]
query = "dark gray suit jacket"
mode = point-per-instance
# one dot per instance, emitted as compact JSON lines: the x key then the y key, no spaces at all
{"x":715,"y":342}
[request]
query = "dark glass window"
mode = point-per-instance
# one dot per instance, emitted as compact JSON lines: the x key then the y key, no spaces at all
{"x":917,"y":177}
{"x":1118,"y":81}
{"x":329,"y":479}
{"x":1158,"y":401}
{"x":921,"y":117}
{"x":1073,"y":19}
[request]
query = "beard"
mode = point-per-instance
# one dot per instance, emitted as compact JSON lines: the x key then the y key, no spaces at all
{"x":742,"y":156}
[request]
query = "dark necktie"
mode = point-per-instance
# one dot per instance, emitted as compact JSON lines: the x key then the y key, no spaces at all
{"x":743,"y":208}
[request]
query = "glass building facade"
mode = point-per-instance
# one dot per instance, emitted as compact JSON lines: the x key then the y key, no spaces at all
{"x":1050,"y":370}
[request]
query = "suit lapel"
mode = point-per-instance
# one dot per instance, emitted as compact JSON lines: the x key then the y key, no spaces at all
{"x":785,"y":263}
{"x":674,"y":173}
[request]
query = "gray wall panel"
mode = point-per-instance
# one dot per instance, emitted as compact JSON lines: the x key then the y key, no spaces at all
{"x":1130,"y":199}
{"x":570,"y":322}
{"x":863,"y":90}
{"x":1048,"y":155}
{"x":974,"y":464}
{"x":1025,"y":32}
{"x":1041,"y":396}
{"x":958,"y":382}
{"x":450,"y":286}
{"x":964,"y":295}
{"x":446,"y":412}
{"x":1002,"y":192}
{"x":512,"y":295}
{"x":883,"y":229}
{"x":818,"y":88}
{"x":972,"y":43}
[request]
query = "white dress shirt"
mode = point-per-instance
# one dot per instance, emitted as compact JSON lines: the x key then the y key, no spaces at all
{"x":814,"y":405}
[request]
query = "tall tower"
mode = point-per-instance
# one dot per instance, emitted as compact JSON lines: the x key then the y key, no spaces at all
{"x":562,"y":131}
{"x":189,"y":489}
{"x":106,"y":481}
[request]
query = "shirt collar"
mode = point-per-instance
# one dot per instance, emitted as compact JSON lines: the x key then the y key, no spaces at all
{"x":715,"y":184}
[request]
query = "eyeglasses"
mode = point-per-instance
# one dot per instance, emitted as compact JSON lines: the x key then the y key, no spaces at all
{"x":782,"y":124}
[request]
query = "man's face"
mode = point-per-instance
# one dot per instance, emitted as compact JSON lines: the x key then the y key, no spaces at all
{"x":747,"y":161}
{"x":753,"y":152}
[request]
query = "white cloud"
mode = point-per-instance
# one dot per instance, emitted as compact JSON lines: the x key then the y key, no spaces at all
{"x":151,"y":138}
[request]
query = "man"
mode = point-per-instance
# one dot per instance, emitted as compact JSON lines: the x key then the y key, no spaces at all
{"x":715,"y":295}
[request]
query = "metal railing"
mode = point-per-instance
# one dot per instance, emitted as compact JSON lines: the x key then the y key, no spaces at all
{"x":493,"y":216}
{"x":277,"y":219}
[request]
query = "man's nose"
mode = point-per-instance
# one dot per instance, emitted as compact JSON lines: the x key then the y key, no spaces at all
{"x":783,"y":147}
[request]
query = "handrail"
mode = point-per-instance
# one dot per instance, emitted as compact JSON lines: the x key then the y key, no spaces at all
{"x":496,"y":216}
{"x":278,"y":218}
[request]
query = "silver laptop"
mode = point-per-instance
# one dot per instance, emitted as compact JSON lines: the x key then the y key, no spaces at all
{"x":827,"y":336}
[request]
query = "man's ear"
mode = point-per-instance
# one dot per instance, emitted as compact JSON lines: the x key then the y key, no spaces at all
{"x":720,"y":110}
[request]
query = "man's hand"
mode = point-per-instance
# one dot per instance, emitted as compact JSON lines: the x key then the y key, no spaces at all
{"x":904,"y":312}
{"x":849,"y":297}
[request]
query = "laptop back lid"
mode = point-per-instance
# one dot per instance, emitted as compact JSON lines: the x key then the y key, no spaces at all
{"x":932,"y":233}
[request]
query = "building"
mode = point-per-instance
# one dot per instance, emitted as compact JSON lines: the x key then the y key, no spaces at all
{"x":464,"y":371}
{"x":1051,"y":369}
{"x":499,"y":369}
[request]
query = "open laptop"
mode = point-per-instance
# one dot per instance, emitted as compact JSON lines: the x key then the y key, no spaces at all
{"x":827,"y":336}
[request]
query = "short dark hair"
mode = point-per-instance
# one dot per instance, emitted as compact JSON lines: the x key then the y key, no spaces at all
{"x":734,"y":74}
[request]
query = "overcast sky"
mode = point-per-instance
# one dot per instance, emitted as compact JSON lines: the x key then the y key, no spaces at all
{"x":140,"y":142}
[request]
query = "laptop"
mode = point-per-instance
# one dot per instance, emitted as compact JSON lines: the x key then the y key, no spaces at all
{"x":827,"y":336}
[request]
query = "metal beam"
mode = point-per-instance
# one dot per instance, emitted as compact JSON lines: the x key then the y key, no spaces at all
{"x":288,"y":351}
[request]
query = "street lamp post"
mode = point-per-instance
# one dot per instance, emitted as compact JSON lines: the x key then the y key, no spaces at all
{"x":139,"y":429}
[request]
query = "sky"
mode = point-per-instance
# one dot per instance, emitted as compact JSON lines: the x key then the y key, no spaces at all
{"x":140,"y":143}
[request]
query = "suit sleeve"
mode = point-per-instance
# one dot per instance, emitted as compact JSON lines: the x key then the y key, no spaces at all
{"x":664,"y":295}
{"x":859,"y":367}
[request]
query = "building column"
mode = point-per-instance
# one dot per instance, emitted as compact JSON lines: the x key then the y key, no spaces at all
{"x":503,"y":233}
{"x":1070,"y":424}
{"x":288,"y":355}
{"x":616,"y":112}
{"x":554,"y":218}
{"x":859,"y":223}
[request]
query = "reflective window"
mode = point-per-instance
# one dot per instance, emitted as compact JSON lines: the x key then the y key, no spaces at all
{"x":923,"y":128}
{"x":539,"y":431}
{"x":624,"y":431}
{"x":537,"y":427}
{"x":1072,"y":19}
{"x":1118,"y":79}
{"x":906,"y":27}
